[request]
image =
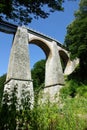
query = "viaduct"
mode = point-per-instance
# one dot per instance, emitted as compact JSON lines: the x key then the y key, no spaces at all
{"x":19,"y":73}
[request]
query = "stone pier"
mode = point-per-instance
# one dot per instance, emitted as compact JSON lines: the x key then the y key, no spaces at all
{"x":54,"y":78}
{"x":19,"y":73}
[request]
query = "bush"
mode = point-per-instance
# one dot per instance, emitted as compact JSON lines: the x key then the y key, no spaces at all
{"x":67,"y":114}
{"x":2,"y":81}
{"x":73,"y":89}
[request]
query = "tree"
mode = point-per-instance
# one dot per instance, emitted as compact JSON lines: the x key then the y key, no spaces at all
{"x":38,"y":73}
{"x":76,"y":38}
{"x":2,"y":82}
{"x":23,"y":11}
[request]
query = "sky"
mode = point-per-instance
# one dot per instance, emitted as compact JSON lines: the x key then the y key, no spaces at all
{"x":54,"y":26}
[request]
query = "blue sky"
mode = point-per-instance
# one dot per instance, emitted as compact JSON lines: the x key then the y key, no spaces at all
{"x":54,"y":26}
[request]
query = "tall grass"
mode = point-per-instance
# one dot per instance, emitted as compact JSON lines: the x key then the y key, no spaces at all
{"x":66,"y":114}
{"x":69,"y":113}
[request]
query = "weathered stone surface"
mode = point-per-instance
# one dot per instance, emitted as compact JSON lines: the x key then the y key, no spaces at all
{"x":71,"y":65}
{"x":19,"y":66}
{"x":19,"y":73}
{"x":21,"y":85}
{"x":54,"y":73}
{"x":51,"y":94}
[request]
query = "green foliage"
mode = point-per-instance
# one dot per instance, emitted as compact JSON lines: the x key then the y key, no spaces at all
{"x":70,"y":89}
{"x":69,"y":113}
{"x":15,"y":113}
{"x":2,"y":81}
{"x":75,"y":113}
{"x":38,"y":73}
{"x":82,"y":90}
{"x":8,"y":111}
{"x":66,"y":114}
{"x":23,"y":11}
{"x":73,"y":88}
{"x":76,"y":38}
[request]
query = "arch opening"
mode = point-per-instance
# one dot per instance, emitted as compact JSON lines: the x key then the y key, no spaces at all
{"x":40,"y":51}
{"x":64,"y":59}
{"x":36,"y":54}
{"x":42,"y":45}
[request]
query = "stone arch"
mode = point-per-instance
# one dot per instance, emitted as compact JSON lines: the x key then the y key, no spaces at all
{"x":53,"y":70}
{"x":19,"y":64}
{"x":64,"y":59}
{"x":42,"y":44}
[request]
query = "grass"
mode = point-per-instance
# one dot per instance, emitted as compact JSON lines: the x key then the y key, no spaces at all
{"x":69,"y":113}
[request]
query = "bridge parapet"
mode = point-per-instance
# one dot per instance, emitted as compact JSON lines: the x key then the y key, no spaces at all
{"x":12,"y":28}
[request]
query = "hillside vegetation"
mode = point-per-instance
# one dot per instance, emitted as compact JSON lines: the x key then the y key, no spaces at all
{"x":2,"y":81}
{"x":69,"y":113}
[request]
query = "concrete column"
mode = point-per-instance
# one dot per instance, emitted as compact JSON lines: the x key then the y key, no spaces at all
{"x":54,"y":78}
{"x":19,"y":66}
{"x":19,"y":73}
{"x":53,"y":74}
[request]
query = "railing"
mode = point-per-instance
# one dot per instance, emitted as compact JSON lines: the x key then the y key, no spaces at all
{"x":7,"y":27}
